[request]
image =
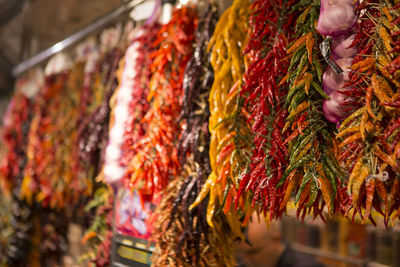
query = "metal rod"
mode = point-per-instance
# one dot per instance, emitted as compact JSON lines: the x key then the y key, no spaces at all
{"x":74,"y":38}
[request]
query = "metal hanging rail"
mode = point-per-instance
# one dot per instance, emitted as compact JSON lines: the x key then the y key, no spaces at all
{"x":74,"y":38}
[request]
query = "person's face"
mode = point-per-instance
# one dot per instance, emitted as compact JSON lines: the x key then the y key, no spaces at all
{"x":266,"y":246}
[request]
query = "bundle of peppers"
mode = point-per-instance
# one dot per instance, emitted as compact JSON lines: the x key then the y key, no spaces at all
{"x":313,"y":172}
{"x":92,"y":132}
{"x":369,"y":136}
{"x":138,"y":106}
{"x":48,"y":184}
{"x":264,"y":101}
{"x":156,"y":158}
{"x":182,"y":236}
{"x":44,"y":177}
{"x":229,"y":146}
{"x":16,"y":224}
{"x":92,"y":140}
{"x":14,"y":132}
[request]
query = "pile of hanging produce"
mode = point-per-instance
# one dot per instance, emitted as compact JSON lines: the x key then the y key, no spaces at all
{"x":156,"y":157}
{"x":92,"y":139}
{"x":182,"y":236}
{"x":276,"y":102}
{"x":18,"y":220}
{"x":369,"y":135}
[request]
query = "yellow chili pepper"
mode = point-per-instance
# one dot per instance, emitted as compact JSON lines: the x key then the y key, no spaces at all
{"x":385,"y":38}
{"x":364,"y":172}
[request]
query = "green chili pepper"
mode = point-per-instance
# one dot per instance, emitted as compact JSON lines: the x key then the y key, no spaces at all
{"x":291,"y":168}
{"x":313,"y":193}
{"x":330,"y":176}
{"x":306,"y":179}
{"x":319,"y":90}
{"x":300,"y":67}
{"x":301,"y":145}
{"x":292,"y":92}
{"x":297,"y":56}
{"x":298,"y":98}
{"x":226,"y":191}
{"x":318,"y":69}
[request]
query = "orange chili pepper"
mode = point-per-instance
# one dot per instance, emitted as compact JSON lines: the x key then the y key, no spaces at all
{"x":354,"y":173}
{"x":300,"y":108}
{"x":370,"y":188}
{"x":88,"y":236}
{"x":326,"y":191}
{"x":228,"y":202}
{"x":284,"y":79}
{"x":381,"y":88}
{"x":385,"y":157}
{"x":225,"y":152}
{"x":297,"y":44}
{"x":224,"y":173}
{"x":381,"y":192}
{"x":385,"y":38}
{"x":353,"y":138}
{"x":363,"y":124}
{"x":387,"y":13}
{"x":309,"y":45}
{"x":225,"y":140}
{"x":292,"y":181}
{"x":347,"y":131}
{"x":363,"y":63}
{"x":304,"y":194}
{"x":308,"y":79}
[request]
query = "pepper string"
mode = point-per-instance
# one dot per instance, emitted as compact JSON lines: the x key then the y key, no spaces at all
{"x":48,"y":184}
{"x":264,"y":102}
{"x":156,"y":159}
{"x":369,"y":135}
{"x":92,"y":140}
{"x":41,"y":147}
{"x":14,"y":133}
{"x":138,"y":106}
{"x":229,"y":146}
{"x":98,"y":237}
{"x":313,"y":172}
{"x":15,"y":223}
{"x":92,"y":132}
{"x":195,"y":243}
